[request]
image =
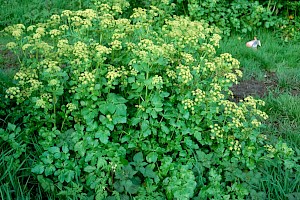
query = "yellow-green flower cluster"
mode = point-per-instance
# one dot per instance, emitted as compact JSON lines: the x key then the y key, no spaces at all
{"x":215,"y":40}
{"x":171,"y":74}
{"x":53,"y":33}
{"x":184,"y":74}
{"x":40,"y":103}
{"x":50,"y":66}
{"x":199,"y":95}
{"x":157,"y":81}
{"x":208,"y":49}
{"x":54,"y":83}
{"x":216,"y":92}
{"x":234,"y":145}
{"x":63,"y":47}
{"x":80,"y":50}
{"x":13,"y":92}
{"x":185,"y":31}
{"x":71,"y":107}
{"x":11,"y":45}
{"x":230,"y":78}
{"x":188,"y":104}
{"x":16,"y":30}
{"x":139,"y":13}
{"x":87,"y":78}
{"x":270,"y":148}
{"x":116,"y":45}
{"x":113,"y":73}
{"x":188,"y":58}
{"x":211,"y":66}
{"x":216,"y":131}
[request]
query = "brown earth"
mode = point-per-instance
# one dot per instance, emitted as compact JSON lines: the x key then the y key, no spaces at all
{"x":253,"y":87}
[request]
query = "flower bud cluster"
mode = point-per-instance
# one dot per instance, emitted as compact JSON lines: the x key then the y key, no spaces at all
{"x":188,"y":58}
{"x":215,"y":40}
{"x":80,"y":50}
{"x":50,"y":66}
{"x":184,"y":74}
{"x":63,"y":47}
{"x":157,"y":81}
{"x":11,"y":45}
{"x":199,"y":95}
{"x":139,"y":13}
{"x":15,"y":30}
{"x":87,"y":78}
{"x":140,"y":107}
{"x":13,"y":92}
{"x":216,"y":131}
{"x":208,"y":49}
{"x":116,"y":45}
{"x":234,"y":145}
{"x":53,"y":33}
{"x":188,"y":104}
{"x":171,"y":74}
{"x":71,"y":107}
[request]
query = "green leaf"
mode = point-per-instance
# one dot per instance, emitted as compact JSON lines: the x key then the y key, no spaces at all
{"x":151,"y":157}
{"x":54,"y":150}
{"x":89,"y":169}
{"x":101,"y":162}
{"x":103,"y":135}
{"x":115,"y":99}
{"x":38,"y":169}
{"x":50,"y":170}
{"x":138,"y":157}
{"x":11,"y":127}
{"x":79,"y":148}
{"x":69,"y":175}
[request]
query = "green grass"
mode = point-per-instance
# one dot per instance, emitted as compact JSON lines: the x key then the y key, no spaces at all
{"x":282,"y":102}
{"x":33,"y":11}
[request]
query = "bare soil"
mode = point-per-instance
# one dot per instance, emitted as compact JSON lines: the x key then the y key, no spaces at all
{"x":254,"y":87}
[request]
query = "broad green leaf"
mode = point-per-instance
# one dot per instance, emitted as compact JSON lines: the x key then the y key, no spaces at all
{"x":80,"y":148}
{"x":151,"y":157}
{"x":38,"y":169}
{"x":49,"y":170}
{"x":138,"y":157}
{"x":69,"y":175}
{"x":54,"y":150}
{"x":11,"y":127}
{"x":103,"y":135}
{"x":89,"y":169}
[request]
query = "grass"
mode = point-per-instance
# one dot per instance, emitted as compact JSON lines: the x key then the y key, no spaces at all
{"x":276,"y":61}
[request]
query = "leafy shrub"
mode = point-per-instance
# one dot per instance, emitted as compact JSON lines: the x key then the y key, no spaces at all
{"x":134,"y":108}
{"x":241,"y":16}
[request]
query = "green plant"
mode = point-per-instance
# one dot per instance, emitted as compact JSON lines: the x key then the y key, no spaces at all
{"x":134,"y":108}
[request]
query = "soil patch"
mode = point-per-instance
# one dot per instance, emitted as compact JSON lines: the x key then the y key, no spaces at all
{"x":253,"y":87}
{"x":8,"y":60}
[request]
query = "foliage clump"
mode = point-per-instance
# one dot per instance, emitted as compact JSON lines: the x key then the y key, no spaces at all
{"x":136,"y":107}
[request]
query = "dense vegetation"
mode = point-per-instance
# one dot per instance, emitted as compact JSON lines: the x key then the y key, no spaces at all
{"x":126,"y":100}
